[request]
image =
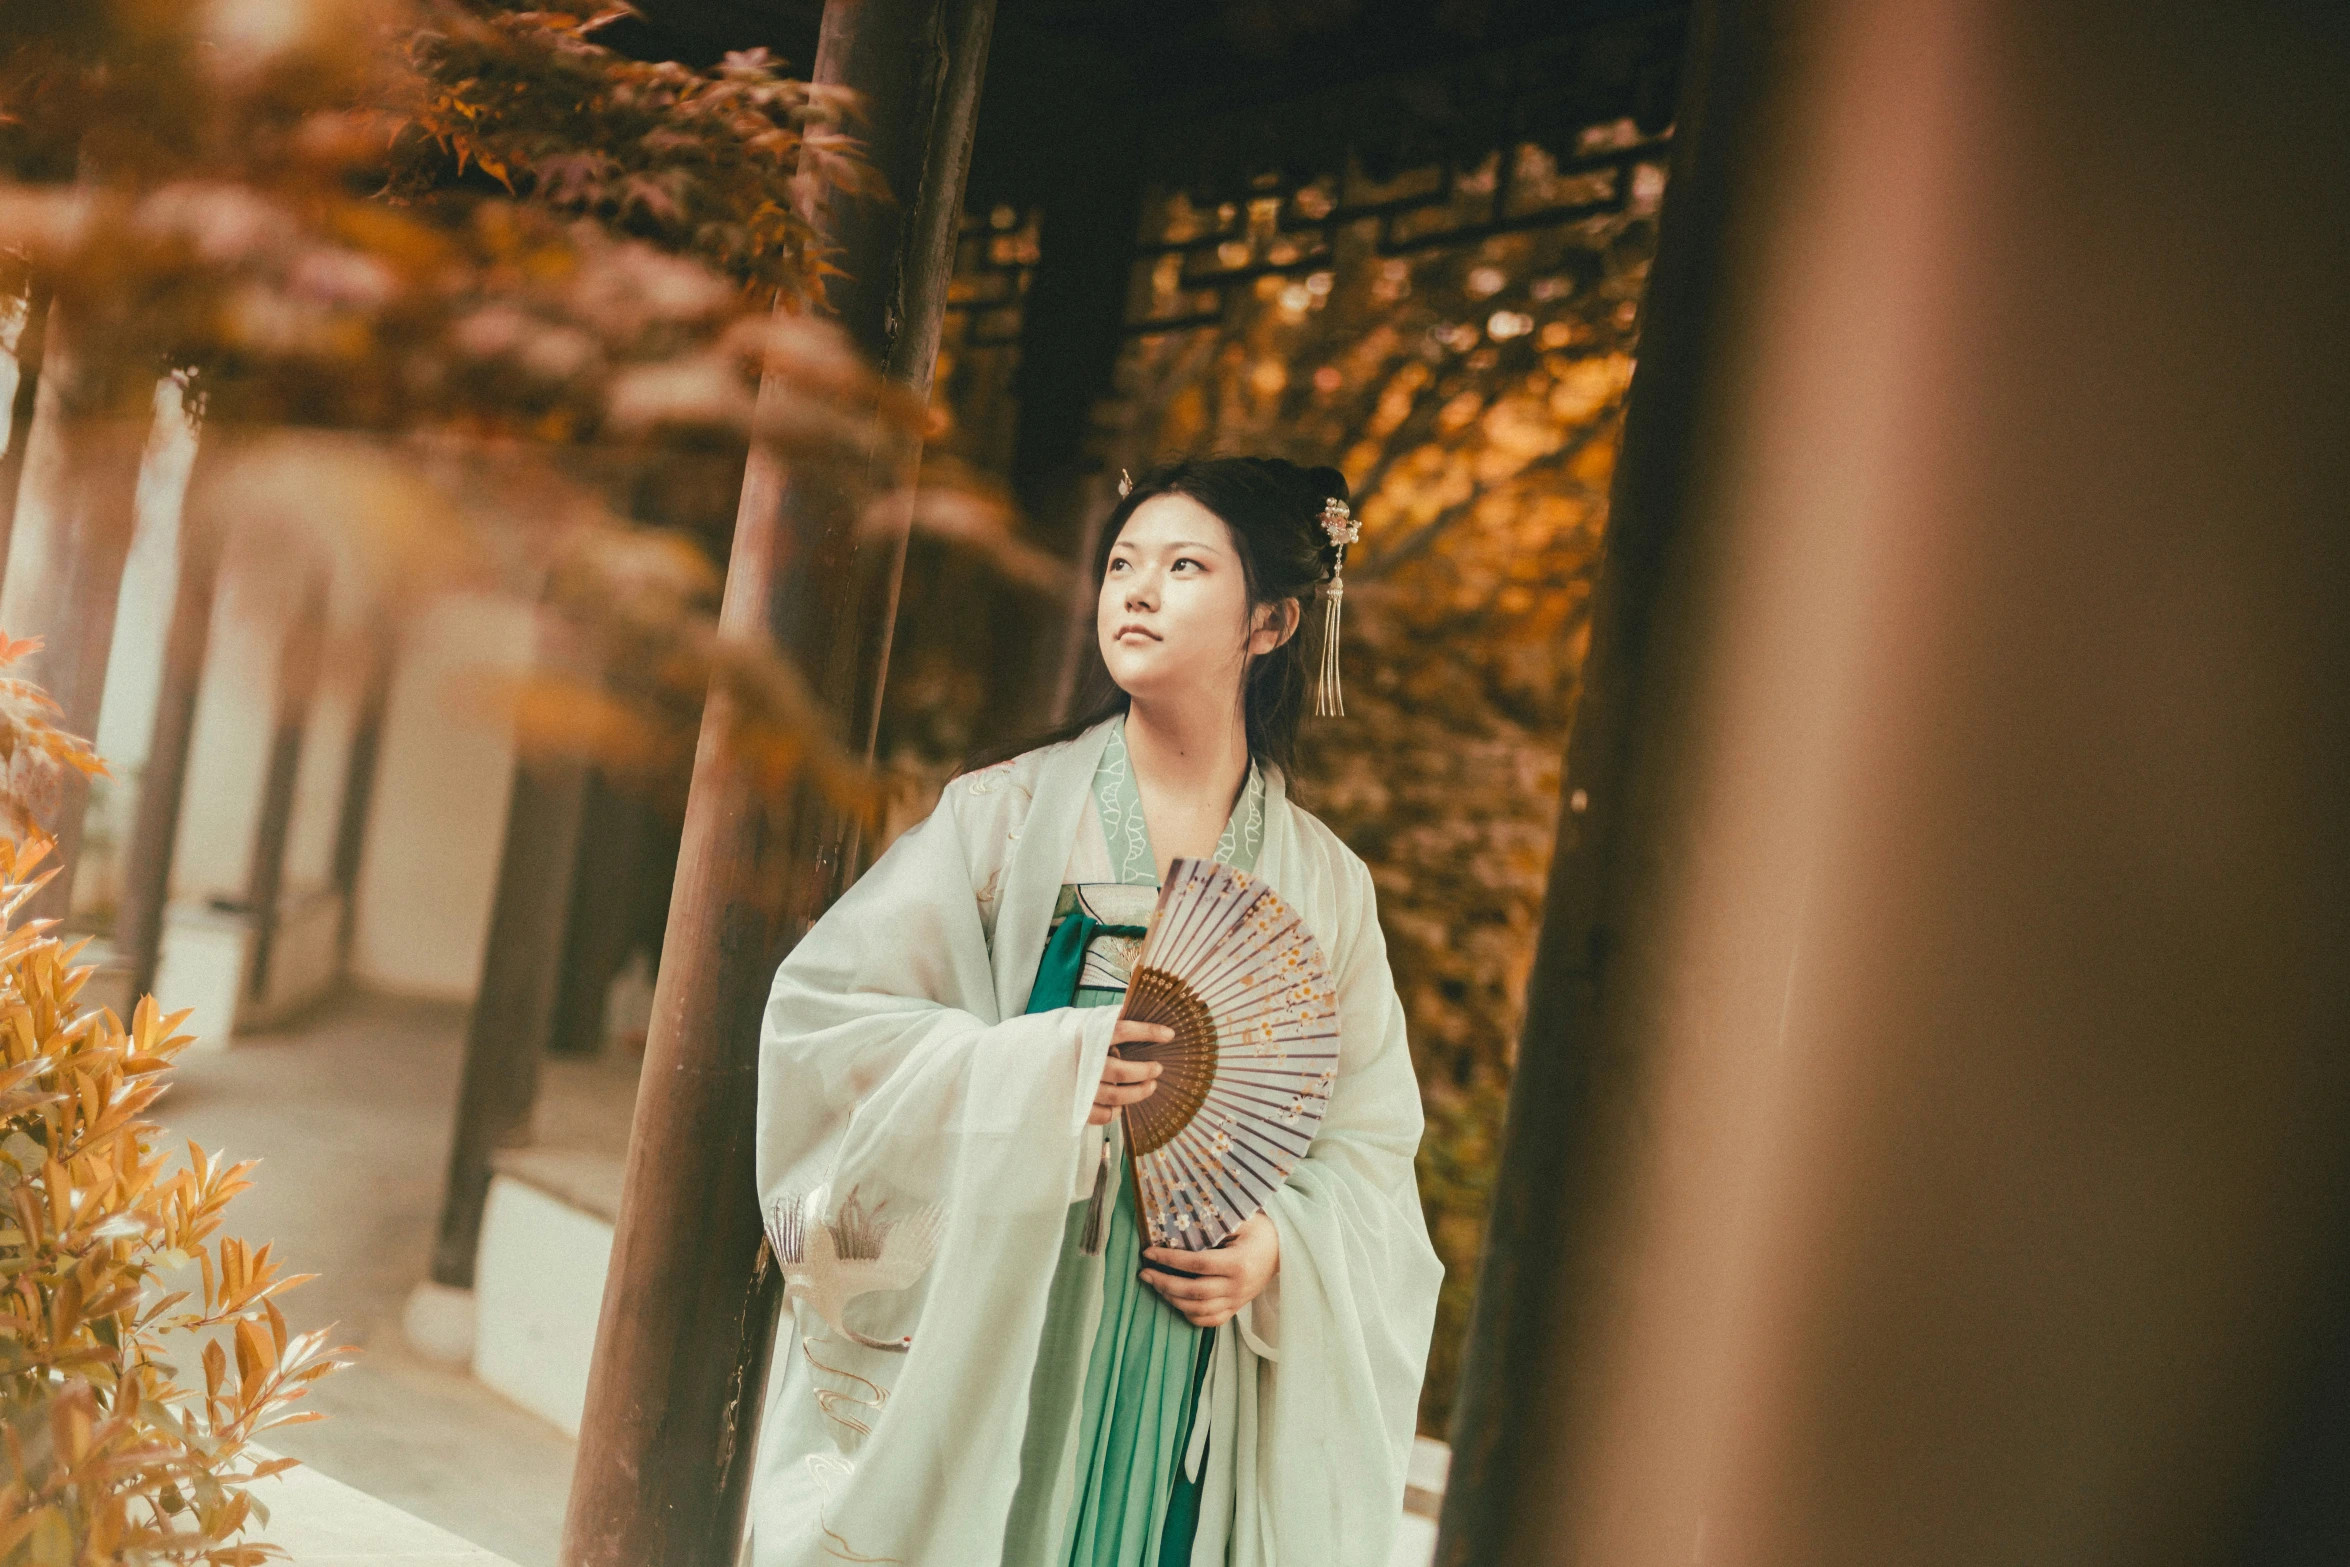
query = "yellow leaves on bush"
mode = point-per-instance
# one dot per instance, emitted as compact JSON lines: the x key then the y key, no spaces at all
{"x":30,"y":741}
{"x":103,"y":1456}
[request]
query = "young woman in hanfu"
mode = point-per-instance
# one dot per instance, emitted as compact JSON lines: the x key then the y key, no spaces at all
{"x":983,"y":1363}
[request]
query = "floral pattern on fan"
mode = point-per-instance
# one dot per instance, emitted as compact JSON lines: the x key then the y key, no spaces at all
{"x":1234,"y":971}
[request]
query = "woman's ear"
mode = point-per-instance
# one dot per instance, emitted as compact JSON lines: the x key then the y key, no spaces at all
{"x":1274,"y":624}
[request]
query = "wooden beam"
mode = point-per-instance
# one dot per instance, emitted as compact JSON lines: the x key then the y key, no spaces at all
{"x":690,"y":1304}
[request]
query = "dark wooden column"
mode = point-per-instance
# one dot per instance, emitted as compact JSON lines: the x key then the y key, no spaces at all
{"x":1560,"y":1076}
{"x":75,"y":513}
{"x":360,"y":767}
{"x":1928,"y":1145}
{"x":515,"y":1005}
{"x":20,"y":411}
{"x":1070,"y":337}
{"x":671,"y":1425}
{"x":298,"y":658}
{"x":618,"y":855}
{"x":146,"y":870}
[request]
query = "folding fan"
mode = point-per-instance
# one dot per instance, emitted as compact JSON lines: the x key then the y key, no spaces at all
{"x":1236,"y":974}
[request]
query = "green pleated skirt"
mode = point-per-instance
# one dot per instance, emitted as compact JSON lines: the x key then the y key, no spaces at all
{"x":1135,"y":1393}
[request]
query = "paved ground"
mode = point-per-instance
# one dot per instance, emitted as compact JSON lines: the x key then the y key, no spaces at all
{"x":351,"y":1116}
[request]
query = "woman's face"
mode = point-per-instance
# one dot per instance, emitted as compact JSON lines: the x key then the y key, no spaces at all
{"x":1174,"y":618}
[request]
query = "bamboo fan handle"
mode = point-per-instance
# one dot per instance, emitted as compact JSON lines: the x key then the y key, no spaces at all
{"x":1189,"y":1059}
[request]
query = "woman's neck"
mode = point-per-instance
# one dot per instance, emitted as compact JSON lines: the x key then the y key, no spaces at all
{"x":1189,"y":760}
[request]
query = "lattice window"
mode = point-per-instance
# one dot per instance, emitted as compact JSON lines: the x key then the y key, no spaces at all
{"x":1191,"y":258}
{"x":979,"y":340}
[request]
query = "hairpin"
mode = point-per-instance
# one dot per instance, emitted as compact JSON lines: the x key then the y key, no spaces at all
{"x":1339,"y":524}
{"x":1125,"y":484}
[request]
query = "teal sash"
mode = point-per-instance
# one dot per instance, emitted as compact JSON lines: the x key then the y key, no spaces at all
{"x":1064,"y":958}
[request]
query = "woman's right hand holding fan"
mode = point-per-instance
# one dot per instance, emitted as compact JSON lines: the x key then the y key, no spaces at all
{"x":1127,"y":1082}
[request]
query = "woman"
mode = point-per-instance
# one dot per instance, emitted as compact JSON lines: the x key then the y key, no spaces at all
{"x":983,"y":1363}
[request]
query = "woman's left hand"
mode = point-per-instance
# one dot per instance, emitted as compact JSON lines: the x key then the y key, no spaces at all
{"x":1231,"y":1276}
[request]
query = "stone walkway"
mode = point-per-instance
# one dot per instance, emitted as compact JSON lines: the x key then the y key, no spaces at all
{"x":351,"y":1116}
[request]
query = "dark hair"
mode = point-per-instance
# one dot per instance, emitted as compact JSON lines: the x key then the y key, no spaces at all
{"x":1273,"y":508}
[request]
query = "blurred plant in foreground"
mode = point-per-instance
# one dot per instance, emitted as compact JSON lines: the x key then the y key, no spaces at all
{"x":32,"y":748}
{"x":456,"y":258}
{"x":104,"y":1455}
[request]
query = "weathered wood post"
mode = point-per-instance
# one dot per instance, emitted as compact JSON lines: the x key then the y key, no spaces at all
{"x":146,"y":868}
{"x":21,"y":406}
{"x":516,"y":1003}
{"x":1497,"y":1418}
{"x":1928,"y":1142}
{"x":689,"y":1313}
{"x":76,"y":508}
{"x":299,"y":652}
{"x":360,"y":765}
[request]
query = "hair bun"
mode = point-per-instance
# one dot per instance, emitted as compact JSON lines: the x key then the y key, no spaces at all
{"x":1331,"y":483}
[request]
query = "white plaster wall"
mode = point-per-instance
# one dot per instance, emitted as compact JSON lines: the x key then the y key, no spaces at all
{"x":318,"y":782}
{"x":236,"y":708}
{"x":430,"y":864}
{"x":134,"y":663}
{"x":326,"y":740}
{"x":134,"y":660}
{"x":538,"y":1289}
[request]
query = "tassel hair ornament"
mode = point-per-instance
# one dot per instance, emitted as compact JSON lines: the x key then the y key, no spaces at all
{"x":1338,"y":522}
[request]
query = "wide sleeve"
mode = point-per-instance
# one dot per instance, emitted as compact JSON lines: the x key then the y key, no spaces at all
{"x":1325,"y":1420}
{"x":884,"y":1068}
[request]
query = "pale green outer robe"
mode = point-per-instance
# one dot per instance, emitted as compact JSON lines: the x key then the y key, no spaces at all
{"x":895,"y":1061}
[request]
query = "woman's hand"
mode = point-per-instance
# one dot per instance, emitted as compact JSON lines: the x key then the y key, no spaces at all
{"x":1127,"y":1082}
{"x":1231,"y":1276}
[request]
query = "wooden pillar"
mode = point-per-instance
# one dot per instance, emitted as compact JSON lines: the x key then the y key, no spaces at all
{"x":515,"y":1005}
{"x":1928,"y":1141}
{"x":667,"y":1443}
{"x":146,"y":872}
{"x":76,"y":509}
{"x":1560,"y":1077}
{"x":617,"y":854}
{"x":298,"y":658}
{"x":20,"y":410}
{"x":1063,"y":490}
{"x":360,"y":766}
{"x":1071,"y":333}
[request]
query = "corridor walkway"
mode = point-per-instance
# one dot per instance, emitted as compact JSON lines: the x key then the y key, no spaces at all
{"x":350,"y":1115}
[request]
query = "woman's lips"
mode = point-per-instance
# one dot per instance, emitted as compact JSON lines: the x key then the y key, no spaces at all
{"x":1124,"y":632}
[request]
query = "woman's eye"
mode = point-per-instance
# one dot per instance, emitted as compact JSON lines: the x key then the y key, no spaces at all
{"x":1183,"y":561}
